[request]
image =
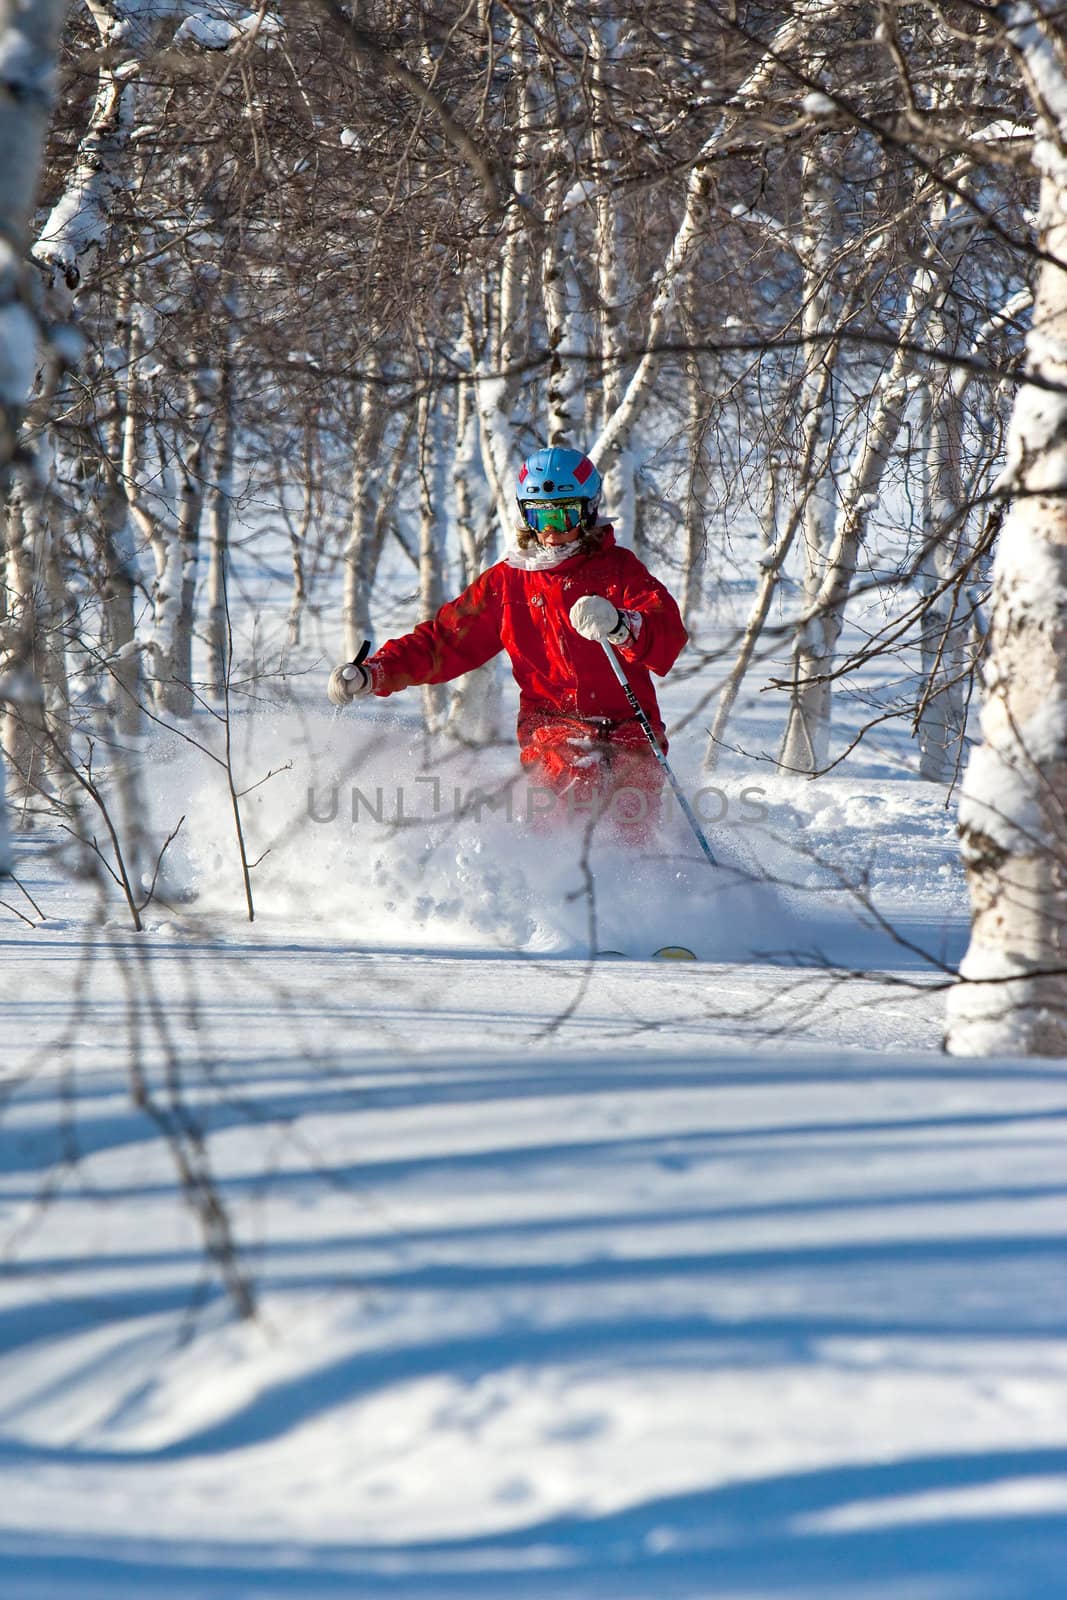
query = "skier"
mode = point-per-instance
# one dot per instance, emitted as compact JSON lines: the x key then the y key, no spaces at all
{"x":557,"y":595}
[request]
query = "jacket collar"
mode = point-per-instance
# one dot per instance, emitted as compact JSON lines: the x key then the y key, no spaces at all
{"x":539,"y":559}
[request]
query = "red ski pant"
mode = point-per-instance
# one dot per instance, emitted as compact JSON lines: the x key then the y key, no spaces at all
{"x":593,"y":768}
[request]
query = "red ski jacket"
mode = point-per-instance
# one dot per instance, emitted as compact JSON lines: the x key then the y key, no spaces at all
{"x":524,"y":608}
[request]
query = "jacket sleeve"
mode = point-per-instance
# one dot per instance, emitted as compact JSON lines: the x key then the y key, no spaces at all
{"x":463,"y":635}
{"x":658,"y":632}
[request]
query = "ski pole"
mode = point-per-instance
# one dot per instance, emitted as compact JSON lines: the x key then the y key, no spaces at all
{"x":650,"y":735}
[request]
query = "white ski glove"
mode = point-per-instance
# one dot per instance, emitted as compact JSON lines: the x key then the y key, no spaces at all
{"x":348,"y":682}
{"x":596,"y":618}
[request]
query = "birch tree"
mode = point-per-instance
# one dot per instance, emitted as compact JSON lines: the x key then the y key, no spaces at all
{"x":511,"y":225}
{"x":941,"y":717}
{"x":29,"y":39}
{"x":1013,"y":821}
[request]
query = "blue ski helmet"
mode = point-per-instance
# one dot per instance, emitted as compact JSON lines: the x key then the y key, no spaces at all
{"x":559,"y":474}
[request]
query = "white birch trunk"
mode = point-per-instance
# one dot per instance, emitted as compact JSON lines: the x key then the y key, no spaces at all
{"x":474,"y":527}
{"x":6,"y":858}
{"x":297,"y":542}
{"x":808,"y":728}
{"x":624,"y":507}
{"x":29,"y":36}
{"x":70,"y":241}
{"x":771,"y":564}
{"x":817,"y":397}
{"x":806,"y":745}
{"x":127,"y":682}
{"x":499,"y":345}
{"x":190,"y":508}
{"x":567,"y":324}
{"x":566,"y":328}
{"x":175,"y":592}
{"x":219,"y":502}
{"x":695,"y":552}
{"x":1013,"y":821}
{"x":431,"y":549}
{"x":122,"y":577}
{"x":134,"y":474}
{"x":362,"y":548}
{"x":608,"y":247}
{"x":54,"y":613}
{"x":22,"y":709}
{"x":367,"y":534}
{"x":118,"y":592}
{"x":474,"y":711}
{"x":494,"y":431}
{"x":78,"y":225}
{"x":36,"y":732}
{"x":614,"y":289}
{"x":942,"y":707}
{"x":29,"y":39}
{"x":120,"y":563}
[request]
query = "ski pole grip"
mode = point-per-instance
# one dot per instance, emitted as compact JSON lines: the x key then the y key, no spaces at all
{"x":355,"y":668}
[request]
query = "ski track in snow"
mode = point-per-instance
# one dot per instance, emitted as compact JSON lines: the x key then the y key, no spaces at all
{"x":577,"y":1279}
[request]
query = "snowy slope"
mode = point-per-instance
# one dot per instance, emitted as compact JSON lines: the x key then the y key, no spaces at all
{"x":548,"y":1324}
{"x":575,"y":1278}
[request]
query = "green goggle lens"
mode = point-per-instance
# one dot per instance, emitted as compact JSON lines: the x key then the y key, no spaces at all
{"x":562,"y":515}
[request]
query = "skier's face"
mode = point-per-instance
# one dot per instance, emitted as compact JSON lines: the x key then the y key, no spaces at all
{"x":556,"y":524}
{"x":554,"y":537}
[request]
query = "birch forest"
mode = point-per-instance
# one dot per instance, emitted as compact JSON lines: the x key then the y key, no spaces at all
{"x":409,"y":1191}
{"x":288,"y":293}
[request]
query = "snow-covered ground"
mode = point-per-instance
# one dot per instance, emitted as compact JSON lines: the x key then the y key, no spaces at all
{"x":574,"y":1277}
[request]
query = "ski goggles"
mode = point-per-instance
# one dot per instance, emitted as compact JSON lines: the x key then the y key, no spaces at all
{"x":563,"y":516}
